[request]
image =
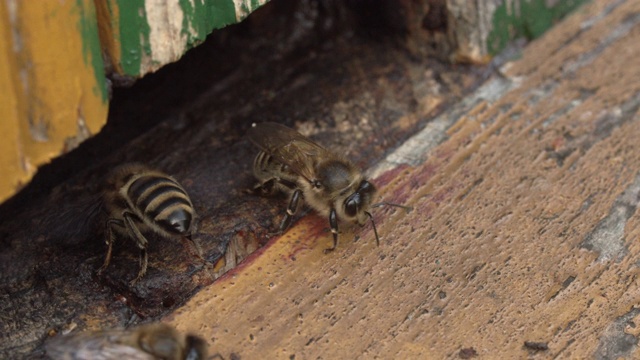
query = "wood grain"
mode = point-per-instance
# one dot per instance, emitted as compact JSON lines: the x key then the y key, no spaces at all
{"x":523,"y":229}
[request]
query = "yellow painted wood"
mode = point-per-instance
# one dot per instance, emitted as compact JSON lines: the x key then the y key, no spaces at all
{"x":11,"y":171}
{"x":53,"y":95}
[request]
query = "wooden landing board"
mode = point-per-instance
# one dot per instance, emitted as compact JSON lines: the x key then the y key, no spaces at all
{"x":524,"y":227}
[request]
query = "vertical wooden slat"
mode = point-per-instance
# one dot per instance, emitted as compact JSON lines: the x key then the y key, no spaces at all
{"x":54,"y":83}
{"x":11,"y":106}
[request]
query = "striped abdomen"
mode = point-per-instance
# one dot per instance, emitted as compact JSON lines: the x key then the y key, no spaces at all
{"x":162,"y":202}
{"x":266,"y":167}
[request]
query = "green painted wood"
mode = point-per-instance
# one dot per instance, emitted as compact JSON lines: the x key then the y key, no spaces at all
{"x":525,"y":18}
{"x":152,"y":33}
{"x":202,"y":17}
{"x":91,"y":51}
{"x":133,"y":34}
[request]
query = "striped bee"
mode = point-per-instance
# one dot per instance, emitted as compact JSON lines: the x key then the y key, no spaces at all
{"x":146,"y":342}
{"x":291,"y":163}
{"x":140,"y":199}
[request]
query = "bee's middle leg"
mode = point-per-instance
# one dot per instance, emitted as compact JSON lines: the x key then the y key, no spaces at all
{"x":291,"y":210}
{"x":266,"y":188}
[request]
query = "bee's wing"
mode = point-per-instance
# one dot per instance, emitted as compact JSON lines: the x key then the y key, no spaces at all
{"x":75,"y":217}
{"x":102,"y":345}
{"x":289,"y":147}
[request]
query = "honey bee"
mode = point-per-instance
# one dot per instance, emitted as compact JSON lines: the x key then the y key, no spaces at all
{"x":291,"y":163}
{"x":140,"y":199}
{"x":147,"y":342}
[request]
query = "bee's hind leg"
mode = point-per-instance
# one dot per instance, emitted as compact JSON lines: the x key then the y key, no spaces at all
{"x":144,"y":260}
{"x":110,"y":239}
{"x":142,"y":243}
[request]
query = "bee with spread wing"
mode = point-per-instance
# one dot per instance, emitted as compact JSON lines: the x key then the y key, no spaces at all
{"x":333,"y":186}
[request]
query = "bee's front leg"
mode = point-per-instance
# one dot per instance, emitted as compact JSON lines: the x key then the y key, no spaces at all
{"x":333,"y":222}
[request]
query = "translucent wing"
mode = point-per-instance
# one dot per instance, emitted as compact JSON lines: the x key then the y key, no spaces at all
{"x":147,"y":342}
{"x":289,"y":147}
{"x":94,"y":345}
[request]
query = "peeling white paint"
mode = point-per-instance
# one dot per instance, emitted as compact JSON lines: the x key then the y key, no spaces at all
{"x":168,"y":36}
{"x":166,"y":39}
{"x":12,"y":9}
{"x":608,"y":237}
{"x":242,"y":6}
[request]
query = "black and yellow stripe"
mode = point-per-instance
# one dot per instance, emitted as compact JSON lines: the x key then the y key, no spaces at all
{"x":162,"y":200}
{"x":266,"y":167}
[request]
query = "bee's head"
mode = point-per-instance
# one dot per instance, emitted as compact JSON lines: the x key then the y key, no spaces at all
{"x":179,"y":222}
{"x":357,"y":204}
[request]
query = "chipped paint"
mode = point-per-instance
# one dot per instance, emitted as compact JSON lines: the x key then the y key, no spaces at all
{"x":166,"y":38}
{"x":132,"y":37}
{"x":91,"y":51}
{"x":141,"y":36}
{"x":608,"y":237}
{"x":244,"y":7}
{"x":616,"y":342}
{"x":523,"y":18}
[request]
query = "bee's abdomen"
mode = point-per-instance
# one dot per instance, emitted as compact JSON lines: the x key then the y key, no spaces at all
{"x":163,"y":201}
{"x":264,"y":163}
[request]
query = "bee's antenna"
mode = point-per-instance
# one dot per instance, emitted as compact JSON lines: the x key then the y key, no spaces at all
{"x":375,"y":231}
{"x":384,"y":203}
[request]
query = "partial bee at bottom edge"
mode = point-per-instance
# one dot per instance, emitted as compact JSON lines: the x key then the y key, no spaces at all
{"x":139,"y":199}
{"x":146,"y":342}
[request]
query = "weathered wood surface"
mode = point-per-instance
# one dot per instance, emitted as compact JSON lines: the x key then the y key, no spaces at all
{"x":358,"y":95}
{"x":524,"y":227}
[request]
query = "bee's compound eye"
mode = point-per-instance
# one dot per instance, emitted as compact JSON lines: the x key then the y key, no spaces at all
{"x":366,"y":187}
{"x":352,"y":204}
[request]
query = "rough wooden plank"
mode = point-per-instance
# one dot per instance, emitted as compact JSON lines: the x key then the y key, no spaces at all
{"x":523,"y":229}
